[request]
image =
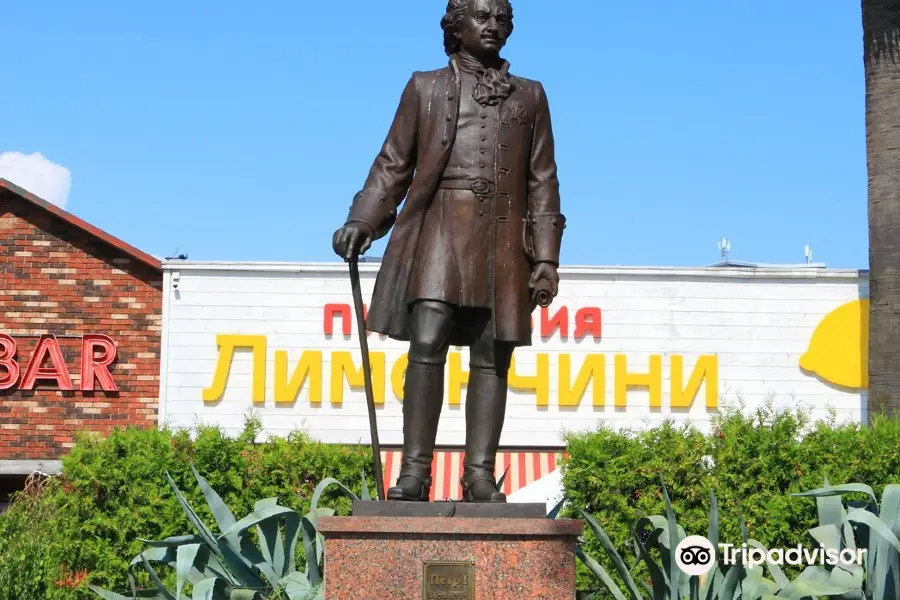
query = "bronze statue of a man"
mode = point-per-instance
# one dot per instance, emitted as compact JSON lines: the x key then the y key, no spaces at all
{"x":471,"y":150}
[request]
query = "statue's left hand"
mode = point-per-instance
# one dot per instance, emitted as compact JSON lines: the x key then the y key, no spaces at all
{"x":547,"y":272}
{"x":351,"y":240}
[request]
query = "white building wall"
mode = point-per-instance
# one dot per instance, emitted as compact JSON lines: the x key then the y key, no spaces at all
{"x":753,"y":324}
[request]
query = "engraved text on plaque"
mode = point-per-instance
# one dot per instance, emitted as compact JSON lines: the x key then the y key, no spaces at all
{"x":448,"y":580}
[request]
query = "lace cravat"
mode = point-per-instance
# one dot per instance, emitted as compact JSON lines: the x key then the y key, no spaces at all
{"x":493,"y":83}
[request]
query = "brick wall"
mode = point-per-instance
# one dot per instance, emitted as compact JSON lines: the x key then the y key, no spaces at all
{"x":57,"y":279}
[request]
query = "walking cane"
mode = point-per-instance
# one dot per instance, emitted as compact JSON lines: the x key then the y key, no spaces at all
{"x":367,"y":375}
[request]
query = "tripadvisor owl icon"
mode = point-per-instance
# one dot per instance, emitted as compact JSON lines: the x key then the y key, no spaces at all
{"x":695,"y":555}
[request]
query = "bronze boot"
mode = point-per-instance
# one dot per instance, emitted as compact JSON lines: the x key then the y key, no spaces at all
{"x":485,"y":411}
{"x":423,"y":396}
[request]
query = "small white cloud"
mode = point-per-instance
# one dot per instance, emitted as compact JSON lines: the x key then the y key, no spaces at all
{"x":34,"y":173}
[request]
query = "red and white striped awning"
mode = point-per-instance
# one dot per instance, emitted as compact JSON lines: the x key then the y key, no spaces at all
{"x":524,"y":469}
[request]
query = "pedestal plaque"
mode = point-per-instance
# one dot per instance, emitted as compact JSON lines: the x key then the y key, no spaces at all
{"x":448,"y":580}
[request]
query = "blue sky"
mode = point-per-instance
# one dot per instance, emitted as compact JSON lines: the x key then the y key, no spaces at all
{"x":239,"y":132}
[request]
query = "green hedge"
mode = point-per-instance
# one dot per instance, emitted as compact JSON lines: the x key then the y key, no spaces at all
{"x":752,"y":462}
{"x":84,"y":527}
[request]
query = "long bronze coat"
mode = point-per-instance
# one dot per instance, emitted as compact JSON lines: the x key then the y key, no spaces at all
{"x":526,"y":220}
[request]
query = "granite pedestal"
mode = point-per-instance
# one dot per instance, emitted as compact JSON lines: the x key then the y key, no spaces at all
{"x":449,"y":551}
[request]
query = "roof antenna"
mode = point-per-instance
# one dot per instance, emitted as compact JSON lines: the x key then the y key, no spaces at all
{"x":177,"y":255}
{"x":808,"y":253}
{"x":724,"y":248}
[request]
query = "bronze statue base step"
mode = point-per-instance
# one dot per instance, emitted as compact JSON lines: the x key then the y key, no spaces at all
{"x":469,"y":510}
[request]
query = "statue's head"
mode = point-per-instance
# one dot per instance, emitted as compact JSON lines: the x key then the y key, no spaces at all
{"x":480,"y":27}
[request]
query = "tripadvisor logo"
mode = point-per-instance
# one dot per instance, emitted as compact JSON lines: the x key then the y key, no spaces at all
{"x":695,"y":555}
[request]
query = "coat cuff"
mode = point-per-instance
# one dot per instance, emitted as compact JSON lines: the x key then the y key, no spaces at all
{"x":547,"y":235}
{"x":373,"y":209}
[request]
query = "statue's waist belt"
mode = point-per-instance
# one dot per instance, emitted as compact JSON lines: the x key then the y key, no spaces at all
{"x":479,"y":186}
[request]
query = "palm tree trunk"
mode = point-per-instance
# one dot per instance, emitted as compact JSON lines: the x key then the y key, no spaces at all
{"x":881,"y":28}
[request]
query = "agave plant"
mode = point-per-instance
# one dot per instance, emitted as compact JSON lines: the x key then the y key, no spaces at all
{"x":722,"y":582}
{"x":860,"y":525}
{"x":229,"y":565}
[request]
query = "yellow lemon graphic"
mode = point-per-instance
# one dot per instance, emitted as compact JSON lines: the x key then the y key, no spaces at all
{"x":839,"y":348}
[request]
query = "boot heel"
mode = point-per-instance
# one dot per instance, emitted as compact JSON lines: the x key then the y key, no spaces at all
{"x":481,"y":487}
{"x":416,"y":491}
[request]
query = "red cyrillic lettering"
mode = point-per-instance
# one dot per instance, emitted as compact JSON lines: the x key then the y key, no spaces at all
{"x":337,"y":309}
{"x":97,"y":366}
{"x":47,"y":347}
{"x":559,"y":322}
{"x":588,"y":320}
{"x":9,"y":368}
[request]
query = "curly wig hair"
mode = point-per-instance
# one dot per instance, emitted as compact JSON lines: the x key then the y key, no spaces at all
{"x":456,"y":10}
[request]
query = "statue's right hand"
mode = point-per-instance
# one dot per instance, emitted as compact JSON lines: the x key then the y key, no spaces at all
{"x":351,"y":240}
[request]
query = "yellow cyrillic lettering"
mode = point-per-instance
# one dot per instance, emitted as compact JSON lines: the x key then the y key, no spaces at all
{"x":398,"y":376}
{"x":228,"y":344}
{"x":707,"y":368}
{"x":342,"y":366}
{"x":592,"y":369}
{"x":457,"y":379}
{"x":539,"y":382}
{"x":652,"y":380}
{"x":309,"y":368}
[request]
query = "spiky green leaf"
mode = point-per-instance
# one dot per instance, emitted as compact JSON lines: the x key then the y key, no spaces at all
{"x":859,"y":515}
{"x":674,"y":540}
{"x":661,"y":586}
{"x":107,"y":595}
{"x":296,"y":586}
{"x":598,"y":570}
{"x":154,"y":577}
{"x":813,"y":581}
{"x":173,"y":541}
{"x":840,"y":490}
{"x":212,"y":588}
{"x":208,"y":538}
{"x":186,"y":555}
{"x":291,"y":535}
{"x":712,"y":530}
{"x":310,"y":542}
{"x":554,"y":512}
{"x":607,"y":544}
{"x":756,"y":585}
{"x":222,"y":514}
{"x":778,"y":575}
{"x":364,"y":489}
{"x":262,"y":511}
{"x":245,"y":594}
{"x":886,"y":572}
{"x":730,"y":583}
{"x":325,"y":483}
{"x":270,"y":545}
{"x":245,"y":573}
